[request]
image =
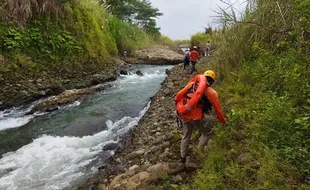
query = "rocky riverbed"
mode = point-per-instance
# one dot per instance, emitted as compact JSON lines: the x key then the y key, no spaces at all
{"x":22,"y":87}
{"x":147,"y":158}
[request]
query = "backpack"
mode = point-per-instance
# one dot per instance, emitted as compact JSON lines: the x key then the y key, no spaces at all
{"x":204,"y":101}
{"x":186,"y":58}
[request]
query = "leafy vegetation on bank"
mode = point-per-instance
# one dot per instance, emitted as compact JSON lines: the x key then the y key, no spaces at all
{"x":62,"y":44}
{"x":56,"y":32}
{"x":263,"y":63}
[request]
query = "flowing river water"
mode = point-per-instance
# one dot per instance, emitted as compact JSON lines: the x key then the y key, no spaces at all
{"x":60,"y":150}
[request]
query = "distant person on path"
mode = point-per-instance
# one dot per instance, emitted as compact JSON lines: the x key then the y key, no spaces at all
{"x":208,"y":48}
{"x":194,"y":103}
{"x":186,"y":59}
{"x":194,"y":57}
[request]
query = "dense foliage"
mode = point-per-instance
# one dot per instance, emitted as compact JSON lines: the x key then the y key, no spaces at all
{"x":138,"y":12}
{"x":59,"y":31}
{"x":263,"y":62}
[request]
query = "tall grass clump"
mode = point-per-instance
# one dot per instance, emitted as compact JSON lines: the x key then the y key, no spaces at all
{"x":88,"y":20}
{"x":165,"y":40}
{"x":25,"y":10}
{"x":200,"y":39}
{"x":127,"y":37}
{"x":263,"y":59}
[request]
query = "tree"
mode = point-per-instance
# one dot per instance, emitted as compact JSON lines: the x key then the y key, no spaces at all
{"x":137,"y":12}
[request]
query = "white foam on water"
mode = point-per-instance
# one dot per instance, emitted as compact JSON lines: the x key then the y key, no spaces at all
{"x":145,"y":78}
{"x":72,"y":105}
{"x":14,"y":122}
{"x":16,"y":117}
{"x":53,"y":162}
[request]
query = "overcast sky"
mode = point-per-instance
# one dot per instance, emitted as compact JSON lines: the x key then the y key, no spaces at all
{"x":183,"y":18}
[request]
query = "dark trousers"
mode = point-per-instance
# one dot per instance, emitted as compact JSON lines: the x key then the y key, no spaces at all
{"x":193,"y":66}
{"x":186,"y":64}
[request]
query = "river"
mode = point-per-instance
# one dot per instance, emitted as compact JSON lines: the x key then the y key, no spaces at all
{"x":60,"y":150}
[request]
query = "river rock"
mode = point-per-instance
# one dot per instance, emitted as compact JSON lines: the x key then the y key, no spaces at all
{"x":66,"y":81}
{"x":136,"y":153}
{"x":167,"y":92}
{"x":139,"y":73}
{"x":133,"y":167}
{"x":67,"y":97}
{"x":51,"y":109}
{"x":155,"y":149}
{"x":97,"y":75}
{"x":103,"y":87}
{"x":42,"y":93}
{"x":118,"y":160}
{"x":138,"y":178}
{"x":48,"y":92}
{"x":110,"y":146}
{"x":165,"y":154}
{"x":39,"y":80}
{"x":125,"y":65}
{"x":54,"y":89}
{"x":177,"y":178}
{"x":24,"y":92}
{"x":123,"y":72}
{"x":170,"y":84}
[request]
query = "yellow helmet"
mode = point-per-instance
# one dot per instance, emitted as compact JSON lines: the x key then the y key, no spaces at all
{"x":210,"y":73}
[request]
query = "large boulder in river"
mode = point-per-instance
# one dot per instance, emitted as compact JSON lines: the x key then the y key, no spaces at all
{"x":67,"y":97}
{"x":158,"y":55}
{"x":139,"y":72}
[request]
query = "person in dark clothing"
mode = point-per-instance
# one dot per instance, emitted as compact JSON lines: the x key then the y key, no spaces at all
{"x":186,"y":59}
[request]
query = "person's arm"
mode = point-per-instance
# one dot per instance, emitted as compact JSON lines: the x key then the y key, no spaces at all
{"x":214,"y":100}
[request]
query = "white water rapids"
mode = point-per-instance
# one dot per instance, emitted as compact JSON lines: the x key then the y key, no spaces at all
{"x":66,"y":145}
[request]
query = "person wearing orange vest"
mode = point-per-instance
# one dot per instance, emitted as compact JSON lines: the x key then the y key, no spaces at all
{"x":197,"y":115}
{"x":194,"y":56}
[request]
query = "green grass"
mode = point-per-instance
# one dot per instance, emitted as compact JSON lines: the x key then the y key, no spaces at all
{"x":264,"y":86}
